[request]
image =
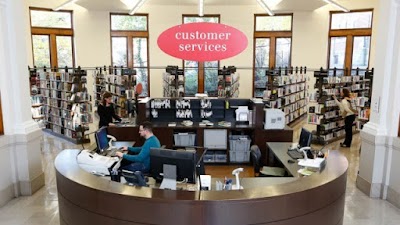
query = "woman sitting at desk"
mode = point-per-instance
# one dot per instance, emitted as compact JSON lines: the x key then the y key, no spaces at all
{"x":106,"y":111}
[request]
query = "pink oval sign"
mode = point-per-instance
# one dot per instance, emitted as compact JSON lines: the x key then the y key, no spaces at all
{"x":202,"y":41}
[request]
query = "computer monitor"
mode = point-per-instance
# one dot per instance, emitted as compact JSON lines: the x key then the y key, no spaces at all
{"x":185,"y":162}
{"x":101,"y":139}
{"x":305,"y":138}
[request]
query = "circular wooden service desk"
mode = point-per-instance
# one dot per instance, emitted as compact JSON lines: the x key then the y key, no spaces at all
{"x":314,"y":200}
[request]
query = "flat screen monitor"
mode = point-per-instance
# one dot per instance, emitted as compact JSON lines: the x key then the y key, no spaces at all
{"x":185,"y":162}
{"x":305,"y":138}
{"x":101,"y":139}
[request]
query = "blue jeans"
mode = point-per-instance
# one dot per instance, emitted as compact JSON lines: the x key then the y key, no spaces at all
{"x":136,"y":166}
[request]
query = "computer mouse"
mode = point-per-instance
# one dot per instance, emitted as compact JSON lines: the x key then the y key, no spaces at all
{"x":291,"y":161}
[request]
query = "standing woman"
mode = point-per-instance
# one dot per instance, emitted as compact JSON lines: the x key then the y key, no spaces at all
{"x":348,"y":113}
{"x":106,"y":111}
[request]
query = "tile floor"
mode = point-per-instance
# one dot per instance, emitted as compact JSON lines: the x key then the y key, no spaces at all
{"x":42,"y":207}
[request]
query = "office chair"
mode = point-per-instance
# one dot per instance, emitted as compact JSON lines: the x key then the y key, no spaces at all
{"x":263,"y":171}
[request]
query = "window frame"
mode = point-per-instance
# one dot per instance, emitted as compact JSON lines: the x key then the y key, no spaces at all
{"x":349,"y":34}
{"x":1,"y":119}
{"x":52,"y":33}
{"x":272,"y":36}
{"x":201,"y":68}
{"x":129,"y":35}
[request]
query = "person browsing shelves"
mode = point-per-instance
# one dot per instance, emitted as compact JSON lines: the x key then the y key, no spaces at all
{"x":141,"y":161}
{"x":106,"y":111}
{"x":348,"y":113}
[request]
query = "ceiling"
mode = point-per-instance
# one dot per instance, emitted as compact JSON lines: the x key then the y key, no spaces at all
{"x":284,"y":5}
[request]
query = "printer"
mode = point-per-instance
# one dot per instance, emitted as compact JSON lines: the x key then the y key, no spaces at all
{"x":95,"y":163}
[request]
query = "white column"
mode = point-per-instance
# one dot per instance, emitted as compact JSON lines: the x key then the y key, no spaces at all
{"x":379,"y":153}
{"x":21,"y":151}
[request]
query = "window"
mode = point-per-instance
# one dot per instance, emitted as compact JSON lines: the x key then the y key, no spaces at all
{"x":201,"y":77}
{"x":52,"y":38}
{"x":129,"y":45}
{"x":272,"y":47}
{"x":350,"y":40}
{"x":1,"y":120}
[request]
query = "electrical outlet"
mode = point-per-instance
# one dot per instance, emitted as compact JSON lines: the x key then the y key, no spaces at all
{"x":375,"y":105}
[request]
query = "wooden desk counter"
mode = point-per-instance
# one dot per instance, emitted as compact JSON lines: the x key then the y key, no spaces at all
{"x":87,"y":199}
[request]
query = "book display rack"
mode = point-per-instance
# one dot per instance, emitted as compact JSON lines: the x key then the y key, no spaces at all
{"x":285,"y":89}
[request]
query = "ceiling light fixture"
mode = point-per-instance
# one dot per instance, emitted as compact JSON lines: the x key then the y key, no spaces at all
{"x":337,"y":5}
{"x":135,"y":8}
{"x":201,"y":7}
{"x":265,"y":7}
{"x":64,"y":4}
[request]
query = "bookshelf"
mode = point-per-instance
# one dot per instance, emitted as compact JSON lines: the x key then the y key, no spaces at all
{"x":323,"y":111}
{"x":66,"y":103}
{"x":228,"y":83}
{"x":285,"y":89}
{"x":173,"y":82}
{"x":121,"y":83}
{"x":37,"y":105}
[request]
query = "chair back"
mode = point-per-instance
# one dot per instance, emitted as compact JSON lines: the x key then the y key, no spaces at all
{"x":255,"y":154}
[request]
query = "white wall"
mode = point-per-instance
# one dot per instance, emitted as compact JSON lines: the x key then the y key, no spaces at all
{"x":310,"y":36}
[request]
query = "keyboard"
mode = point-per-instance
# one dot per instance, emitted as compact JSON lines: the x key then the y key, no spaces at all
{"x":112,"y":152}
{"x":294,"y":154}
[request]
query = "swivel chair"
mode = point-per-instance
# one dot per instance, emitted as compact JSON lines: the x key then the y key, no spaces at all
{"x":263,"y":171}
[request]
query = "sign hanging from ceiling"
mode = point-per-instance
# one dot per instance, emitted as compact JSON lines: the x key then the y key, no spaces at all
{"x":202,"y":41}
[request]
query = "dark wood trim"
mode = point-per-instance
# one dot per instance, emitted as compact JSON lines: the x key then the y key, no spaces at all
{"x":272,"y":52}
{"x":354,"y":32}
{"x":349,"y":34}
{"x":201,"y":78}
{"x":200,"y":69}
{"x":53,"y":33}
{"x":53,"y":51}
{"x":272,"y":36}
{"x":129,"y":35}
{"x":1,"y":119}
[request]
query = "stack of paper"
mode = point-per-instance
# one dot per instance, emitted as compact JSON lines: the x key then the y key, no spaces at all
{"x":312,"y":163}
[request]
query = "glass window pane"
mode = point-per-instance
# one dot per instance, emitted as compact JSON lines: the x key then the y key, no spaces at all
{"x":261,"y":63}
{"x":124,"y":22}
{"x":273,"y":23}
{"x":64,"y":51}
{"x":337,"y":52}
{"x":351,"y":20}
{"x":190,"y":19}
{"x":191,"y":79}
{"x":119,"y":51}
{"x":211,"y":78}
{"x":361,"y":52}
{"x":40,"y":18}
{"x":140,"y":52}
{"x":282,"y":57}
{"x":142,"y":77}
{"x":41,"y":50}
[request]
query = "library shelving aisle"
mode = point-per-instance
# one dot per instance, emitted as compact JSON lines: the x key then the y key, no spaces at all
{"x":66,"y":102}
{"x":323,"y":111}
